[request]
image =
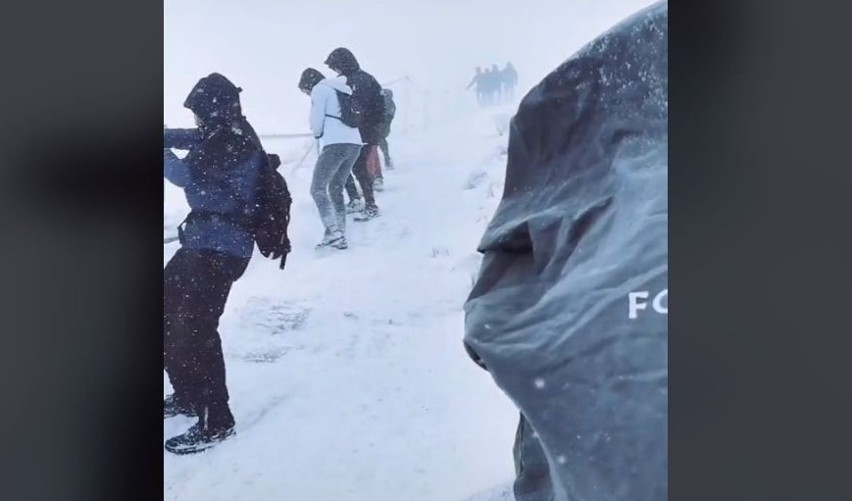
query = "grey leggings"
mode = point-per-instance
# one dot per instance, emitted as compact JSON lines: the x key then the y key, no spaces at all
{"x":330,"y":173}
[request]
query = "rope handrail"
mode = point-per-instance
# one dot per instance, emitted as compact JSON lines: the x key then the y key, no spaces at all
{"x":286,"y":136}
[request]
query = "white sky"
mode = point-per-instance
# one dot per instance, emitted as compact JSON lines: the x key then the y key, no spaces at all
{"x":263,"y":45}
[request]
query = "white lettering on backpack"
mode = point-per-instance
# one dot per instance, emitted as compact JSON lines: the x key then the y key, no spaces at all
{"x":638,"y":301}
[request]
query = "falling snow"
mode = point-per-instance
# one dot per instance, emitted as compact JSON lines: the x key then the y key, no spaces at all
{"x":332,"y":400}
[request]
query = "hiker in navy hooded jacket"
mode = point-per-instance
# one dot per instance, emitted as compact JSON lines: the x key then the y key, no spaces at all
{"x":219,"y":176}
{"x":341,"y":145}
{"x":366,"y":91}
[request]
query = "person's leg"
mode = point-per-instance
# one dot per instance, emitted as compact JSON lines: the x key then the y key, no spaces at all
{"x":352,"y":190}
{"x":327,"y":165}
{"x":374,"y":165}
{"x":356,"y":204}
{"x":359,"y":169}
{"x":174,"y":280}
{"x":386,"y":152}
{"x":199,"y":347}
{"x":221,"y":271}
{"x":349,"y":153}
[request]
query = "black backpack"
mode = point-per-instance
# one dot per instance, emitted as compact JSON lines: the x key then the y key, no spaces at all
{"x":272,"y":212}
{"x":350,"y":109}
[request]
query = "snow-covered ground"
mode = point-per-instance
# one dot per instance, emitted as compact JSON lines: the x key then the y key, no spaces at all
{"x":346,"y":371}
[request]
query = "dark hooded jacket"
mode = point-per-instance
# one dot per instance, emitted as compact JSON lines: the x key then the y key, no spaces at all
{"x":365,"y":90}
{"x":569,"y":311}
{"x":220,"y":173}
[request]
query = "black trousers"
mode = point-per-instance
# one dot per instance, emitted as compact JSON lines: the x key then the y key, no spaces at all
{"x":359,"y":170}
{"x":196,"y":287}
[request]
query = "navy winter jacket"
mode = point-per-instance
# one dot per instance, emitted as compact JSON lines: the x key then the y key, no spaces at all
{"x":230,"y":195}
{"x":220,"y":175}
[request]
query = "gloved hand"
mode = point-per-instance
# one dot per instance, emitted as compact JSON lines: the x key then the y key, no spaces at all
{"x":181,"y":139}
{"x":274,"y":160}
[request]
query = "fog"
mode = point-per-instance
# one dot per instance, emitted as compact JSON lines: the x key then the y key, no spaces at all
{"x":263,"y":45}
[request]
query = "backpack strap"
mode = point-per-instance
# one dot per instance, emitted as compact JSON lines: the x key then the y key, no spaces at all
{"x":243,"y":221}
{"x":246,"y":222}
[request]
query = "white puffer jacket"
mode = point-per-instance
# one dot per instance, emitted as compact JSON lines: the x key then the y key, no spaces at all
{"x":324,"y":102}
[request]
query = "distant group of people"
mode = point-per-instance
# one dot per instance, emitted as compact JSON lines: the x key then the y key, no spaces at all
{"x":237,"y":200}
{"x":493,"y":85}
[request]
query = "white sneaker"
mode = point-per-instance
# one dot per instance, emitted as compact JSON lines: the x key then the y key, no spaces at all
{"x":356,"y":205}
{"x":335,"y":239}
{"x":368,"y":214}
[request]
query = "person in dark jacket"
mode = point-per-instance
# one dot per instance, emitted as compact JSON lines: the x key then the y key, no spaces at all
{"x":219,"y":176}
{"x":488,"y":84}
{"x":478,"y":84}
{"x":367,"y":93}
{"x":496,"y":84}
{"x":510,"y":81}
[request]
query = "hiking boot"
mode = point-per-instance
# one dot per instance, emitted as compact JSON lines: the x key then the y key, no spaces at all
{"x":378,"y":184}
{"x":355,"y":205}
{"x":370,"y":212}
{"x":211,"y":428}
{"x":173,"y":407}
{"x":198,"y":439}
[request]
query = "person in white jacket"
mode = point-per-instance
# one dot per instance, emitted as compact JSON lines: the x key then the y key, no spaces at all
{"x":340,"y":145}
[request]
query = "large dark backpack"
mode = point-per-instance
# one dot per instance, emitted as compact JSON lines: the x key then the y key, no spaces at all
{"x":350,"y":110}
{"x":365,"y":104}
{"x":272,"y":212}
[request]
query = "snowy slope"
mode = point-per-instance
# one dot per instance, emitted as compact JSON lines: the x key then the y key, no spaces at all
{"x":347,"y":374}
